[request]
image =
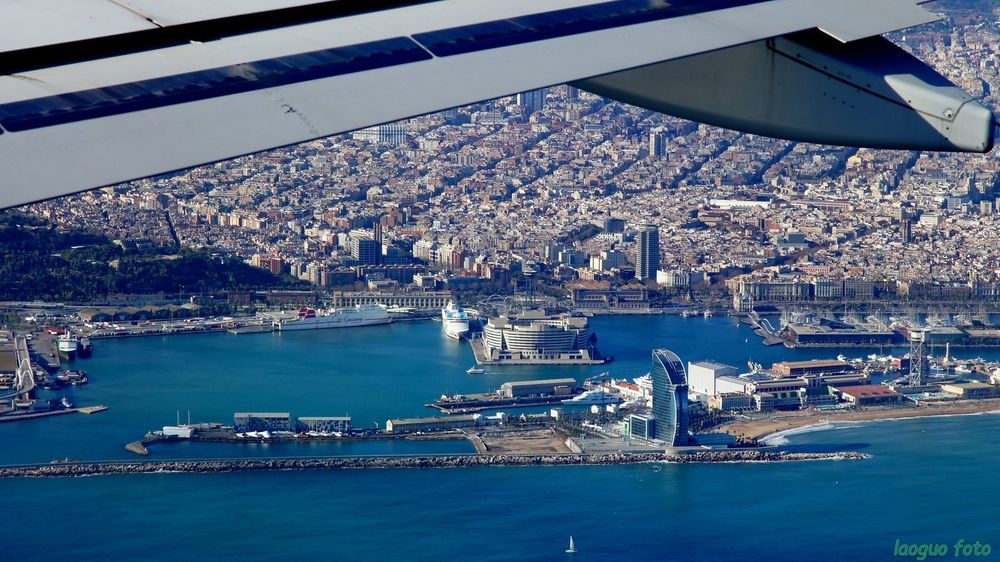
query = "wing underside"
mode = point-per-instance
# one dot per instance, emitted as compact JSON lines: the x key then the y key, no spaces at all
{"x":157,"y":90}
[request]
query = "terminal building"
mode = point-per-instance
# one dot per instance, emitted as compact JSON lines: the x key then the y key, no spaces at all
{"x":535,"y":337}
{"x":261,"y":421}
{"x":324,"y":424}
{"x":411,"y":299}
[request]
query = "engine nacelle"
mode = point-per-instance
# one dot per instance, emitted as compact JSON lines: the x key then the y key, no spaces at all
{"x":810,"y":87}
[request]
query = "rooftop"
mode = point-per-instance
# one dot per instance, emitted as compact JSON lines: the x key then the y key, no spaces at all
{"x":811,"y":363}
{"x":553,"y":382}
{"x":711,"y":365}
{"x":867,"y":390}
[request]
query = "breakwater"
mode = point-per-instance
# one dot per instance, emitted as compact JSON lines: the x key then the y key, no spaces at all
{"x":65,"y":469}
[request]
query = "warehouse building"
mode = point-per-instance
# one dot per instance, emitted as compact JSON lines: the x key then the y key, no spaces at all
{"x":869,"y":395}
{"x":972,"y":390}
{"x":556,"y":387}
{"x":410,"y":425}
{"x":810,"y":368}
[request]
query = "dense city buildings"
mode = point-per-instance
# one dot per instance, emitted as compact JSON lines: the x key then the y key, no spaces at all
{"x":567,"y":180}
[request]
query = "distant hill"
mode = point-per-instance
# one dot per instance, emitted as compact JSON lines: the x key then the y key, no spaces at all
{"x":37,"y":261}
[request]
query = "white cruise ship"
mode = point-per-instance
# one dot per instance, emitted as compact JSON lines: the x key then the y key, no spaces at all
{"x":309,"y":319}
{"x":455,"y":320}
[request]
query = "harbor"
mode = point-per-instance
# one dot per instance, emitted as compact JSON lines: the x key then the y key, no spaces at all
{"x":404,"y":386}
{"x":218,"y":375}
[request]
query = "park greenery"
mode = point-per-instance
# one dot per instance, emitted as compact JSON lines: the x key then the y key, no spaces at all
{"x":40,"y":262}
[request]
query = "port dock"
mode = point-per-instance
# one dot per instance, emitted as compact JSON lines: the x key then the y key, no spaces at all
{"x":489,"y":401}
{"x":59,"y":412}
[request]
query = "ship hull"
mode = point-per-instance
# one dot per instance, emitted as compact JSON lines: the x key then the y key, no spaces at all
{"x":456,"y":330}
{"x":298,"y":325}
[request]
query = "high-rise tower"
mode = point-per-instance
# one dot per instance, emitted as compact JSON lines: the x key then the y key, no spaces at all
{"x":647,"y":259}
{"x":670,"y":401}
{"x":918,"y":357}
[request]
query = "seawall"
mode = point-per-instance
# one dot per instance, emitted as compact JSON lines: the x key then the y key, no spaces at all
{"x":65,"y":469}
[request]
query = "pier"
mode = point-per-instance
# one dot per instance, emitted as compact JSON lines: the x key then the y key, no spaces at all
{"x":59,"y":412}
{"x":763,"y":328}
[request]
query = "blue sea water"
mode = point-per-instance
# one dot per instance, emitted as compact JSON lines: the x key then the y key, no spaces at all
{"x":929,"y":480}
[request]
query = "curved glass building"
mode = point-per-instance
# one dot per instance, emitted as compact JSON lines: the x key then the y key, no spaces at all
{"x":670,"y":398}
{"x":534,"y":337}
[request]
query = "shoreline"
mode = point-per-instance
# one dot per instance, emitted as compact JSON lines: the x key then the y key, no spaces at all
{"x":766,"y":429}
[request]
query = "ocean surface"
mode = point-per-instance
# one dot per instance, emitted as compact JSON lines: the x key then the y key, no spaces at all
{"x":929,"y":480}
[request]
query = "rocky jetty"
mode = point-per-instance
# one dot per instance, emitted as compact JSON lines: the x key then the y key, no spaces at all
{"x":433,"y":461}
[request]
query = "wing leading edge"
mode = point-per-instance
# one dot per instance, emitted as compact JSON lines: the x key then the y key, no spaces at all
{"x":90,"y":123}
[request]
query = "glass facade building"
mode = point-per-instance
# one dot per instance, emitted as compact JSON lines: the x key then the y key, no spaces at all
{"x":670,"y":402}
{"x":641,"y":426}
{"x":648,"y":252}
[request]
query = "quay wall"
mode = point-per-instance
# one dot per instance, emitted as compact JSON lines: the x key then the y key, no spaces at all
{"x":66,"y":469}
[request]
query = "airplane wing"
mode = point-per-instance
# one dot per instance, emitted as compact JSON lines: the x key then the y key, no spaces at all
{"x":95,"y":92}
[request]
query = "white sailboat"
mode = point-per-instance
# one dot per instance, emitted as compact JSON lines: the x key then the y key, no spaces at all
{"x":572,"y":547}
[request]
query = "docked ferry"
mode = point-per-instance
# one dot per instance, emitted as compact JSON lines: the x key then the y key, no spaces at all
{"x":67,"y":344}
{"x":455,"y":320}
{"x":311,"y":319}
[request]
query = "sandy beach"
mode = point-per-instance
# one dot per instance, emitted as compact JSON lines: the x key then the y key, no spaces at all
{"x":760,"y":429}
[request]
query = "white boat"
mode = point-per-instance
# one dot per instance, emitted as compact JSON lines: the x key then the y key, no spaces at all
{"x":310,"y":319}
{"x":597,"y":396}
{"x":455,"y":321}
{"x":572,"y":546}
{"x":475,"y":370}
